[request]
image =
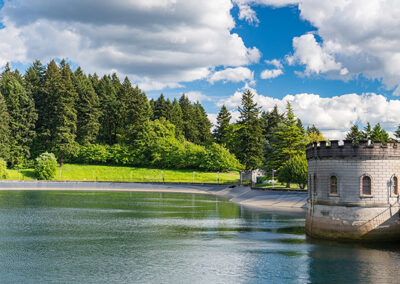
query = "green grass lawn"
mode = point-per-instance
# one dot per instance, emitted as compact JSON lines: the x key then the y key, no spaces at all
{"x":279,"y":185}
{"x":116,"y":173}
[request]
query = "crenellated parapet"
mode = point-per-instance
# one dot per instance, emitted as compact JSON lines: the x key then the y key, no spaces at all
{"x":364,"y":150}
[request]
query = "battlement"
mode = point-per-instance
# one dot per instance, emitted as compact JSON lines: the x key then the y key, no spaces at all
{"x":364,"y":150}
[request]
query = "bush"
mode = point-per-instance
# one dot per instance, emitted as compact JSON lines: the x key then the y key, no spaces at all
{"x":93,"y":154}
{"x":294,"y":170}
{"x":121,"y":155}
{"x":218,"y":158}
{"x":46,"y":166}
{"x":3,"y":169}
{"x":192,"y":156}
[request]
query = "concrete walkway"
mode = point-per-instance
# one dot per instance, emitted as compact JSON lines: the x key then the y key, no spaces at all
{"x":268,"y":200}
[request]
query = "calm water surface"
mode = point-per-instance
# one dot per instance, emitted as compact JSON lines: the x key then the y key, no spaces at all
{"x":100,"y":237}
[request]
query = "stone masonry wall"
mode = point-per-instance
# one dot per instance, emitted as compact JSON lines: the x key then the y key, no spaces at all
{"x":349,"y":173}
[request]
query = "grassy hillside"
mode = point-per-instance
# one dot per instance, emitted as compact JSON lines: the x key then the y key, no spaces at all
{"x":115,"y":173}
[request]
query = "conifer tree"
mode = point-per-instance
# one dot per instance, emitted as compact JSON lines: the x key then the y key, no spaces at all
{"x":313,"y":134}
{"x":289,"y":141}
{"x":109,"y":111}
{"x":87,"y":107}
{"x":23,"y":116}
{"x":367,"y":132}
{"x":66,"y":118}
{"x":175,"y":117}
{"x":126,"y":101}
{"x":220,"y":131}
{"x":190,"y":130}
{"x":49,"y":117}
{"x":379,"y":134}
{"x":4,"y":130}
{"x":203,"y":124}
{"x":95,"y":82}
{"x":34,"y":83}
{"x":355,"y":135}
{"x":249,"y":133}
{"x":135,"y":111}
{"x":161,"y":107}
{"x":270,"y":121}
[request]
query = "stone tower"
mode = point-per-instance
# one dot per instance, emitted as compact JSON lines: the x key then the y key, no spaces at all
{"x":353,"y":190}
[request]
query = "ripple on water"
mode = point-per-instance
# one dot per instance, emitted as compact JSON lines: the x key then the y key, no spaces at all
{"x":121,"y":237}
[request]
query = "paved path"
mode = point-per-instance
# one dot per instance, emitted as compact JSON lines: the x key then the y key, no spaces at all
{"x":269,"y":200}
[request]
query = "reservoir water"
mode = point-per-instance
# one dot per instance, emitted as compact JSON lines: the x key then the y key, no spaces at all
{"x":130,"y":237}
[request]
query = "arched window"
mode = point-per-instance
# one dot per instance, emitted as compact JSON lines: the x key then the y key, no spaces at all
{"x":395,"y":186}
{"x":366,"y":185}
{"x":333,"y":186}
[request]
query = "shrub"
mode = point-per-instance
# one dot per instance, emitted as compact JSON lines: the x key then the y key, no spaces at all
{"x":157,"y":145}
{"x":46,"y":166}
{"x":121,"y":155}
{"x":93,"y":154}
{"x":218,"y":158}
{"x":192,"y":156}
{"x":3,"y":169}
{"x":294,"y":170}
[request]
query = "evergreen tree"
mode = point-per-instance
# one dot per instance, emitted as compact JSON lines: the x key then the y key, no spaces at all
{"x":203,"y":124}
{"x":190,"y":130}
{"x":355,"y":135}
{"x":249,"y":133}
{"x":65,"y":119}
{"x":161,"y":107}
{"x":49,"y":117}
{"x":367,"y":132}
{"x":288,"y":141}
{"x":34,"y":82}
{"x":223,"y":119}
{"x":23,"y":116}
{"x":138,"y":112}
{"x":379,"y":134}
{"x":108,"y":110}
{"x":314,"y":135}
{"x":232,"y":142}
{"x":270,"y":122}
{"x":87,"y":107}
{"x":175,"y":117}
{"x":4,"y":130}
{"x":95,"y":82}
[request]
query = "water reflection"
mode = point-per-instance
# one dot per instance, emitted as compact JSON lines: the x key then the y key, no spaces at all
{"x":355,"y":263}
{"x":130,"y":237}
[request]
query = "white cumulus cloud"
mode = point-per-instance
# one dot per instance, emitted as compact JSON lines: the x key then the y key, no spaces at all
{"x":237,"y":74}
{"x":270,"y":74}
{"x":195,"y":96}
{"x":247,"y":13}
{"x":309,"y":52}
{"x":158,"y":42}
{"x":333,"y":116}
{"x":358,"y":37}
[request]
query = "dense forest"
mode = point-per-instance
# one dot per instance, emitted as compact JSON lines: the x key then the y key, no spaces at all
{"x":86,"y":119}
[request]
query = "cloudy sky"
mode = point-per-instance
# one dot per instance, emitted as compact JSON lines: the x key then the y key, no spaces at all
{"x":337,"y":62}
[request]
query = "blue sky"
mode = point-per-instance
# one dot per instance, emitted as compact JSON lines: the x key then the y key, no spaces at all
{"x":335,"y":68}
{"x":273,"y":37}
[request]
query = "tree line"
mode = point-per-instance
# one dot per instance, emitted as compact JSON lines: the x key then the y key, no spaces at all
{"x":87,"y":119}
{"x":84,"y":118}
